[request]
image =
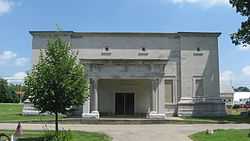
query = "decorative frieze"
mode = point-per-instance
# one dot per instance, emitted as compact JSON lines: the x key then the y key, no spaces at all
{"x":125,"y":69}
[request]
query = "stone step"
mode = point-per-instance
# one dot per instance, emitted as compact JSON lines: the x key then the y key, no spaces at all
{"x":118,"y":121}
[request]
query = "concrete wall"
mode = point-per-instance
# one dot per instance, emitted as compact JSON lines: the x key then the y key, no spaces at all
{"x":203,"y":63}
{"x":199,"y":60}
{"x":124,"y":47}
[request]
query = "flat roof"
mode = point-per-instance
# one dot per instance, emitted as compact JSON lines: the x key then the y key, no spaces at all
{"x":131,"y":33}
{"x":225,"y":88}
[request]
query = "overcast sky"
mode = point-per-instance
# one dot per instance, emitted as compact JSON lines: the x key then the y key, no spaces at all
{"x":17,"y":17}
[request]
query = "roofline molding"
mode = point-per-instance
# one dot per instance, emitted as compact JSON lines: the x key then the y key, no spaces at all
{"x":72,"y":33}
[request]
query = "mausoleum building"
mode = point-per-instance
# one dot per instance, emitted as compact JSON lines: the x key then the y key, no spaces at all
{"x":154,"y":75}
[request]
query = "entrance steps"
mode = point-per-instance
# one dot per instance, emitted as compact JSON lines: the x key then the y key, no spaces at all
{"x":121,"y":121}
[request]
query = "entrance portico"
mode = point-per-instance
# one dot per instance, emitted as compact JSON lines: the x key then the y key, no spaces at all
{"x":123,"y":92}
{"x":124,"y":96}
{"x":133,"y":97}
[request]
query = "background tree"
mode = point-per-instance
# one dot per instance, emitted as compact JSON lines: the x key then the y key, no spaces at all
{"x":242,"y":89}
{"x":57,"y":82}
{"x":14,"y":98}
{"x":7,"y":92}
{"x":3,"y":91}
{"x":242,"y":37}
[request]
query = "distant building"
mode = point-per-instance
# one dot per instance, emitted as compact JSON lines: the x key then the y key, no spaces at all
{"x":227,"y":94}
{"x":241,"y":97}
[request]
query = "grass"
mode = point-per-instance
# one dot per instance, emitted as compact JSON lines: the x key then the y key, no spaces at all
{"x":222,"y":135}
{"x":232,"y":117}
{"x":77,"y":136}
{"x":13,"y":113}
{"x":226,"y":119}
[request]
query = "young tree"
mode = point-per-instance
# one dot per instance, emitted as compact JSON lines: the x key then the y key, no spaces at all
{"x":57,"y":82}
{"x":242,"y":37}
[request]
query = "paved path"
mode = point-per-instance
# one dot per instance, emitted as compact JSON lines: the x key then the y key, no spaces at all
{"x":156,"y":132}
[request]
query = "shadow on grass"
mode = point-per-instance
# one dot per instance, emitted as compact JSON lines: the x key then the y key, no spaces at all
{"x":32,"y":139}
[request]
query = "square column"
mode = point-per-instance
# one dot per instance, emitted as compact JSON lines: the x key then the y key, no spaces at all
{"x":154,"y":95}
{"x":93,"y":102}
{"x":93,"y":95}
{"x":154,"y":111}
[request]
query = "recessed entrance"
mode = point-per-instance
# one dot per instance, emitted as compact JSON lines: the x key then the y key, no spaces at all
{"x":124,"y":103}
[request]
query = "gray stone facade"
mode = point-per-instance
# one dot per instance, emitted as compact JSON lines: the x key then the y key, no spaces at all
{"x":151,"y":74}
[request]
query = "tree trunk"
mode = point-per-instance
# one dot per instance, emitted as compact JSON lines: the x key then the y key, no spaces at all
{"x":56,"y":122}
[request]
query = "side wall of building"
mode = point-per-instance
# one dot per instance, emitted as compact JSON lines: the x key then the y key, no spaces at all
{"x":199,"y":64}
{"x":199,"y":61}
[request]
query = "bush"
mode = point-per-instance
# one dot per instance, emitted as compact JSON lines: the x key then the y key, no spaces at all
{"x":60,"y":136}
{"x":229,"y":106}
{"x":236,"y":106}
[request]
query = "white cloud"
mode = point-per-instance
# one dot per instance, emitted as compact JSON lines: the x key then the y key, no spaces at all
{"x":226,"y":76}
{"x":16,"y":78}
{"x":5,"y":6}
{"x":206,"y":3}
{"x":246,"y":70}
{"x":244,"y":47}
{"x":22,"y":61}
{"x":7,"y":56}
{"x":20,"y":75}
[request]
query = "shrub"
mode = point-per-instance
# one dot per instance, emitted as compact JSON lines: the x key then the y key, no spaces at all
{"x":236,"y":106}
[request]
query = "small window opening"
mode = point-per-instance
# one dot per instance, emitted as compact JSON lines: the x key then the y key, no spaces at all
{"x":106,"y":49}
{"x":143,"y":49}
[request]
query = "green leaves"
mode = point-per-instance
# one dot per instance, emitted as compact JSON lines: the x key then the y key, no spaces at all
{"x":242,"y":37}
{"x":8,"y":92}
{"x":242,"y":6}
{"x":57,"y":82}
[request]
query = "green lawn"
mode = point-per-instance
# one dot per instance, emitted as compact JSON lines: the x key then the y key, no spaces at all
{"x":226,"y":119}
{"x":13,"y":113}
{"x":232,"y":117}
{"x":77,"y":136}
{"x":222,"y":135}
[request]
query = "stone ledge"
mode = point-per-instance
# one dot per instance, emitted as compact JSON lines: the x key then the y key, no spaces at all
{"x":92,"y":115}
{"x":192,"y":100}
{"x":155,"y":115}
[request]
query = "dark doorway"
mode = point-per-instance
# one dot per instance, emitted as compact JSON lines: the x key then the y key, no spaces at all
{"x":124,"y":103}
